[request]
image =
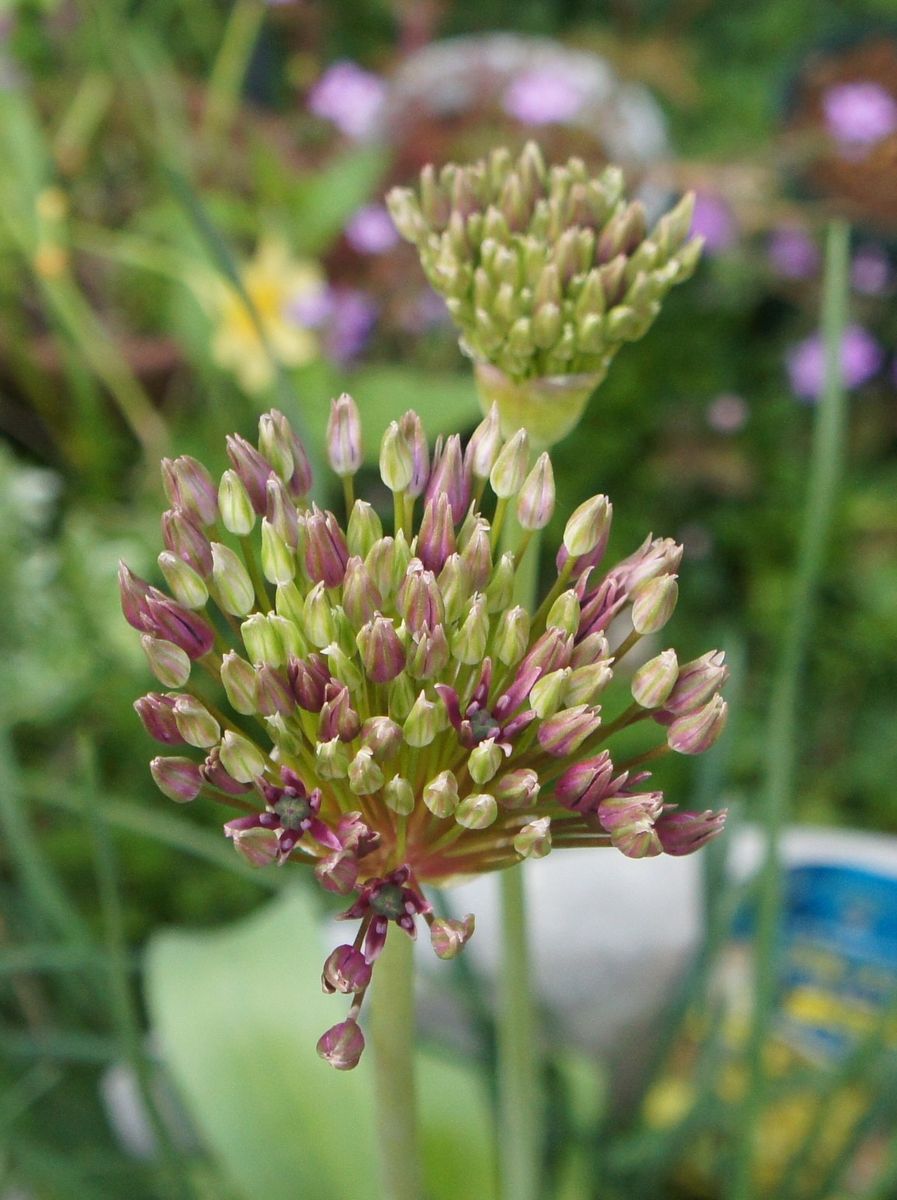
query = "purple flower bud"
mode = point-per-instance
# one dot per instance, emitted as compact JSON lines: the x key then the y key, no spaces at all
{"x":436,"y":537}
{"x":361,"y":599}
{"x":309,"y":678}
{"x":342,"y":1046}
{"x":684,"y":832}
{"x":185,"y":539}
{"x":476,"y":556}
{"x":346,"y":970}
{"x":535,"y":504}
{"x":420,"y":600}
{"x":344,"y":436}
{"x":169,"y":620}
{"x":517,"y":790}
{"x":273,"y":692}
{"x":696,"y":682}
{"x":428,"y":653}
{"x":380,"y":649}
{"x":582,"y":787}
{"x":338,"y":718}
{"x":156,"y":711}
{"x":484,"y":445}
{"x":214,"y":774}
{"x":563,"y":734}
{"x":281,"y":512}
{"x":449,"y":937}
{"x":190,"y":487}
{"x":413,"y":432}
{"x":135,"y":593}
{"x":252,"y":469}
{"x":326,"y":552}
{"x":696,"y":731}
{"x":177,"y":778}
{"x":451,"y":476}
{"x":660,"y":556}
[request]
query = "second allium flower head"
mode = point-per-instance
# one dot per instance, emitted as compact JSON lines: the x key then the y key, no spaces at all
{"x":395,"y":719}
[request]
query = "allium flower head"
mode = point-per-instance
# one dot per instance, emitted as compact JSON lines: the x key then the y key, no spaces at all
{"x":546,"y":272}
{"x":383,"y":713}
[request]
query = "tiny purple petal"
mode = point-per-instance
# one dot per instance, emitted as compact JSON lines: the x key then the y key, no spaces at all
{"x":370,"y":230}
{"x":861,"y":358}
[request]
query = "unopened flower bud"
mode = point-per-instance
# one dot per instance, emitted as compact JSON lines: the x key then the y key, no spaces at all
{"x":276,"y":442}
{"x":484,"y":761}
{"x":455,"y":586}
{"x":484,"y":445}
{"x":413,"y":432}
{"x":252,"y":468}
{"x":398,"y":795}
{"x":518,"y":789}
{"x":696,"y":731}
{"x":319,"y":622}
{"x":273,"y":692}
{"x":231,"y":584}
{"x":257,"y":847}
{"x":346,"y":970}
{"x":278,"y":565}
{"x":380,"y":649}
{"x":214,"y":774}
{"x":630,"y":820}
{"x":449,"y":937}
{"x":365,"y":776}
{"x":476,"y":556}
{"x":500,"y":588}
{"x":338,"y":872}
{"x":186,"y":585}
{"x":422,"y":723}
{"x":547,"y":695}
{"x":696,"y":683}
{"x":237,"y":513}
{"x":402,"y":695}
{"x":332,"y":759}
{"x":685,"y":832}
{"x":512,"y":636}
{"x":342,"y":1046}
{"x":287,"y":637}
{"x":156,"y":713}
{"x":363,"y":530}
{"x":428,"y":654}
{"x":344,"y":436}
{"x":396,"y":462}
{"x":241,"y":758}
{"x":172,"y":622}
{"x":168,"y":662}
{"x":564,"y":613}
{"x":326,"y":552}
{"x":361,"y":599}
{"x":588,"y":526}
{"x":441,"y":794}
{"x":183,"y":536}
{"x":281,"y":512}
{"x":195,"y":723}
{"x":436,"y":537}
{"x":586,"y":683}
{"x":562,"y":734}
{"x":654,"y":680}
{"x":469,"y":641}
{"x":383,"y":736}
{"x":177,"y":778}
{"x":653,"y":603}
{"x":477,"y":811}
{"x":189,"y":486}
{"x":534,"y":839}
{"x":535,"y":504}
{"x":450,"y":477}
{"x":509,"y":471}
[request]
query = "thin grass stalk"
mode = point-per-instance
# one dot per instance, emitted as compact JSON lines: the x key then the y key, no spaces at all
{"x":783,"y":732}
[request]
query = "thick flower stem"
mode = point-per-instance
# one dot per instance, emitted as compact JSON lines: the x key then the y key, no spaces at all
{"x":518,"y":1072}
{"x":392,"y":1041}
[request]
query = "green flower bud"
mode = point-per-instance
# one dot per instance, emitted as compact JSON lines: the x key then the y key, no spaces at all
{"x":288,"y":603}
{"x":512,"y":636}
{"x":587,"y":683}
{"x":455,"y":586}
{"x":319,"y":622}
{"x":343,"y":667}
{"x":441,"y":794}
{"x":363,"y":530}
{"x":237,"y":513}
{"x":195,"y":723}
{"x":401,"y":697}
{"x":589,"y":524}
{"x":484,"y":761}
{"x":332,"y":759}
{"x":231,"y":584}
{"x":477,"y":811}
{"x":398,"y":795}
{"x":396,"y":461}
{"x":655,"y":679}
{"x":383,"y":736}
{"x":365,"y":776}
{"x":535,"y":504}
{"x":288,"y":638}
{"x":534,"y":839}
{"x":564,"y":613}
{"x":518,"y":789}
{"x":186,"y":585}
{"x":469,"y":641}
{"x":448,"y":937}
{"x":500,"y":588}
{"x":261,"y":641}
{"x":548,"y":693}
{"x":653,"y":603}
{"x":422,"y":723}
{"x":239,"y":681}
{"x":278,"y":565}
{"x":168,"y":662}
{"x":387,"y":561}
{"x":241,"y":758}
{"x":507,"y":476}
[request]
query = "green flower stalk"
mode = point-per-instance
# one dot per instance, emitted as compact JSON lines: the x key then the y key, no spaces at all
{"x":372,"y":703}
{"x":547,"y":272}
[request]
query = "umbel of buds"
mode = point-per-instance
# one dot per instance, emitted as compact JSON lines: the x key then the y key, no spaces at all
{"x":374,"y":705}
{"x":546,"y":272}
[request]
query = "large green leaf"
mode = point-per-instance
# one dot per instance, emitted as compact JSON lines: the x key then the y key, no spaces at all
{"x":238,"y":1012}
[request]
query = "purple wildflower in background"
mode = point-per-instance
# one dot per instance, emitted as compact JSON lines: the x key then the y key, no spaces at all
{"x":714,"y":221}
{"x":793,"y":253}
{"x":860,"y":113}
{"x":350,"y":97}
{"x":542,"y":96}
{"x":727,"y":413}
{"x":870,"y":271}
{"x":370,"y":230}
{"x":861,"y":358}
{"x":351,"y":321}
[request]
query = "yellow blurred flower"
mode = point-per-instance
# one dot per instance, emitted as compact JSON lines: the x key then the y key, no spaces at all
{"x":284,"y":292}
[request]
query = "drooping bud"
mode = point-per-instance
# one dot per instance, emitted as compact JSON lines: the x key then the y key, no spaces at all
{"x":685,"y":832}
{"x":588,"y":527}
{"x":231,"y":584}
{"x":398,"y":795}
{"x":196,"y":724}
{"x":696,"y":683}
{"x":237,"y":513}
{"x":189,"y":486}
{"x":365,"y":776}
{"x":344,"y":436}
{"x":654,"y":680}
{"x":562,"y":734}
{"x":177,"y":778}
{"x":422,"y":723}
{"x":535,"y":504}
{"x":342,"y":1046}
{"x":696,"y":731}
{"x":396,"y":461}
{"x":363,"y":530}
{"x":346,"y":970}
{"x":448,"y":937}
{"x":509,"y":471}
{"x":477,"y":811}
{"x":168,"y":662}
{"x":241,"y":758}
{"x":440,"y":795}
{"x":653,"y":603}
{"x":518,"y":789}
{"x":484,"y":761}
{"x":534,"y":839}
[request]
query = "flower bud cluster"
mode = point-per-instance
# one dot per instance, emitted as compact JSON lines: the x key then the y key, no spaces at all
{"x":373,"y":703}
{"x":546,"y":272}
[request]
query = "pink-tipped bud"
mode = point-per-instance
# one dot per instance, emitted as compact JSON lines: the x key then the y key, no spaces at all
{"x":309,"y":678}
{"x":252,"y":468}
{"x":534,"y":839}
{"x":517,"y":790}
{"x":685,"y":832}
{"x":696,"y":682}
{"x":344,"y":436}
{"x":449,"y":937}
{"x":382,"y":736}
{"x":177,"y":778}
{"x":361,"y":598}
{"x":484,"y":445}
{"x":189,"y":486}
{"x":509,"y":470}
{"x":156,"y":711}
{"x":654,"y":680}
{"x":535,"y":504}
{"x":583,"y":786}
{"x":196,"y":724}
{"x":346,"y":970}
{"x":183,"y":537}
{"x":420,"y":600}
{"x":413,"y":432}
{"x":273,"y":692}
{"x":476,"y":556}
{"x":436,"y":537}
{"x":630,"y":822}
{"x":338,"y":718}
{"x":171,"y":621}
{"x":696,"y":731}
{"x":588,"y":527}
{"x":563,"y":734}
{"x":326,"y":552}
{"x":342,"y":1046}
{"x":653,"y":603}
{"x":380,"y":649}
{"x":450,"y":477}
{"x":214,"y":774}
{"x":135,"y":593}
